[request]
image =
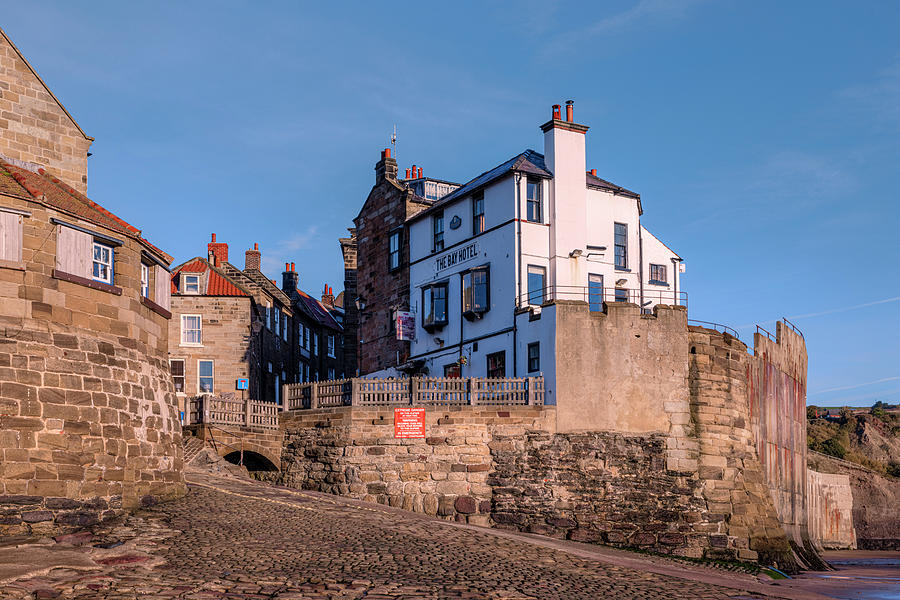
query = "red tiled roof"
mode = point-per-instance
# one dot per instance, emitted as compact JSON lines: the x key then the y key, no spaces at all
{"x":218,"y":284}
{"x":46,"y":189}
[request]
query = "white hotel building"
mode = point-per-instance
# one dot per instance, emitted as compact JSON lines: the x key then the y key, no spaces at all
{"x":533,"y":230}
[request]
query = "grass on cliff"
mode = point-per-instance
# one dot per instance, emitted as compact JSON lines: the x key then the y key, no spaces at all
{"x":867,"y":437}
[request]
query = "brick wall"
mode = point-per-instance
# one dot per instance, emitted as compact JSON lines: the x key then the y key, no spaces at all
{"x":88,"y":417}
{"x":36,"y":129}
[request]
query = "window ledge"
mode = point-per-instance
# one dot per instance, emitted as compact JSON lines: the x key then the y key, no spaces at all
{"x":155,"y":307}
{"x":657,"y":282}
{"x":16,"y":265}
{"x":96,"y":285}
{"x":623,"y":269}
{"x":190,"y":345}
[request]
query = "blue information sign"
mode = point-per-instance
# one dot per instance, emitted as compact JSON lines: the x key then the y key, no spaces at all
{"x":243,"y":383}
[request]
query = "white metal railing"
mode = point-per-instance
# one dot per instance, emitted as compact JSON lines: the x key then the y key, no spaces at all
{"x":416,"y":391}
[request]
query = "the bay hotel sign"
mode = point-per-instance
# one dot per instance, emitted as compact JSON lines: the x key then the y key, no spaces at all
{"x":455,"y":257}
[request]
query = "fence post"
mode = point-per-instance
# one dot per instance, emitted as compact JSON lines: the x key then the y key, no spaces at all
{"x":204,"y":409}
{"x":247,"y":412}
{"x":471,"y":391}
{"x":354,"y":391}
{"x":313,"y":395}
{"x":413,"y":391}
{"x":532,"y":393}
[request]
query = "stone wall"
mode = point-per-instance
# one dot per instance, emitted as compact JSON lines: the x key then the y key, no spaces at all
{"x":36,"y":128}
{"x":830,"y":510}
{"x":226,"y":341}
{"x":88,"y":419}
{"x":875,"y":514}
{"x":352,"y":452}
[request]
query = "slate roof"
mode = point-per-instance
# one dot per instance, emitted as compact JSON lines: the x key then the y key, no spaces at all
{"x":266,"y":284}
{"x":530,"y":162}
{"x":218,"y":283}
{"x":47,"y":190}
{"x":317,"y":310}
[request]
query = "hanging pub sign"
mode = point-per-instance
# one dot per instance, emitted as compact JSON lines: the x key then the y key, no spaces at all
{"x":405,"y":322}
{"x":456,"y":256}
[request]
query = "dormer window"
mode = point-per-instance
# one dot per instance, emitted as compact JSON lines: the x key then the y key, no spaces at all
{"x":190,"y":284}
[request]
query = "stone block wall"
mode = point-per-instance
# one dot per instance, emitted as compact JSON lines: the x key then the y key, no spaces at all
{"x":830,"y":510}
{"x":352,"y":452}
{"x":88,"y":419}
{"x":36,"y":128}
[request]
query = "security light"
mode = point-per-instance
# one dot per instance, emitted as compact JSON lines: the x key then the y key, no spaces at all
{"x":576,"y":253}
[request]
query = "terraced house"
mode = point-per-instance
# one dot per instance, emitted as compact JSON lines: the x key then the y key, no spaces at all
{"x":228,"y":324}
{"x":88,"y":421}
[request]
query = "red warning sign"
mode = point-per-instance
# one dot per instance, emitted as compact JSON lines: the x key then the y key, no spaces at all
{"x":409,"y":422}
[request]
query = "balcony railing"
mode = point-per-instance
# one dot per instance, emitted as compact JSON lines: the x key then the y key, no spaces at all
{"x":230,"y":412}
{"x":595,"y":297}
{"x":416,"y":391}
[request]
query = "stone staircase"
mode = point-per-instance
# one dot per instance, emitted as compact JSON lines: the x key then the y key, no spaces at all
{"x":192,"y":447}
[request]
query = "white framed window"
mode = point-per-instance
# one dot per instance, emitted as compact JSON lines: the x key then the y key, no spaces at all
{"x":306,"y":338}
{"x":103,"y":263}
{"x":268,"y":316}
{"x":658,"y":274}
{"x":300,"y":329}
{"x":315,"y":340}
{"x":537,"y":286}
{"x":394,"y":250}
{"x":205,"y":376}
{"x":284,"y":330}
{"x":331,"y":346}
{"x":277,"y":320}
{"x":191,"y":330}
{"x":145,"y":280}
{"x":191,"y":284}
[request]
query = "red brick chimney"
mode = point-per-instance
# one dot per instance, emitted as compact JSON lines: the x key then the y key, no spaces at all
{"x":328,"y":296}
{"x":217,"y":252}
{"x":386,"y":168}
{"x":252,"y":258}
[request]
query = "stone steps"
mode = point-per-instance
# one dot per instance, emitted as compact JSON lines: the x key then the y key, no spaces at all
{"x":192,"y":447}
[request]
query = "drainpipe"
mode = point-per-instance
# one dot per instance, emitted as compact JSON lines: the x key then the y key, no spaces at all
{"x":641,"y":259}
{"x":518,"y":252}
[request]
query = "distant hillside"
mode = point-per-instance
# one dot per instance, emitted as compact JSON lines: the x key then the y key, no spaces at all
{"x":869,"y":437}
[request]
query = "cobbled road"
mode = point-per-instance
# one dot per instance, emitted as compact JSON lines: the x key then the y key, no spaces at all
{"x":238,"y":539}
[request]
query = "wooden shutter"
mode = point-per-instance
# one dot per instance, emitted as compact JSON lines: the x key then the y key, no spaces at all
{"x":162,"y":287}
{"x":10,"y":236}
{"x":74,"y":251}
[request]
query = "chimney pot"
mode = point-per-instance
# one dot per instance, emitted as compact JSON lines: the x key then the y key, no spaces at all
{"x":387,"y":152}
{"x":292,"y":267}
{"x":256,"y":246}
{"x":287,"y":267}
{"x":594,"y":172}
{"x":420,"y":172}
{"x":556,"y":108}
{"x":407,"y":173}
{"x":414,"y":171}
{"x":570,"y":111}
{"x":213,"y":237}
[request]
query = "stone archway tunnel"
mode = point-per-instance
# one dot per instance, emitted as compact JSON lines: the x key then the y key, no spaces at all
{"x":261,"y":448}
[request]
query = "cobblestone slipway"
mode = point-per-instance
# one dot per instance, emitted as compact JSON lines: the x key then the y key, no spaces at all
{"x":232,"y":538}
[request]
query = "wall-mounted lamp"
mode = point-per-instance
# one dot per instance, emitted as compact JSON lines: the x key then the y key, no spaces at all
{"x":575,"y":253}
{"x":621,"y":282}
{"x":360,"y":303}
{"x":439,"y":341}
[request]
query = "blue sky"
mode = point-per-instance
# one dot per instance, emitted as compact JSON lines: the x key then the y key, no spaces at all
{"x":762,"y":136}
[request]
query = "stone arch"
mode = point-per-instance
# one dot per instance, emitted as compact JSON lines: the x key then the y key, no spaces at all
{"x":254,"y":461}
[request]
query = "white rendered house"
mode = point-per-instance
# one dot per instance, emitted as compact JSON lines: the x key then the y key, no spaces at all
{"x":533,"y":230}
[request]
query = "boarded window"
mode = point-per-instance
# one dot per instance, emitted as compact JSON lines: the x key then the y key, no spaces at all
{"x":10,"y":236}
{"x":162,"y":288}
{"x":74,"y":252}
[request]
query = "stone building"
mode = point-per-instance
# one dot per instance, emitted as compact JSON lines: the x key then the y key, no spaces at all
{"x":229,"y":324}
{"x":318,"y":336}
{"x":36,"y":127}
{"x":88,"y":419}
{"x":379,"y":250}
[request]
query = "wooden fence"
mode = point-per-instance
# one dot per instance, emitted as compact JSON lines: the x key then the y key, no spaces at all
{"x":416,"y":391}
{"x":225,"y":411}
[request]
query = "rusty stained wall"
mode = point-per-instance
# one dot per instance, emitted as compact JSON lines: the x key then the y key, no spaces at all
{"x":830,"y":508}
{"x":777,"y":377}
